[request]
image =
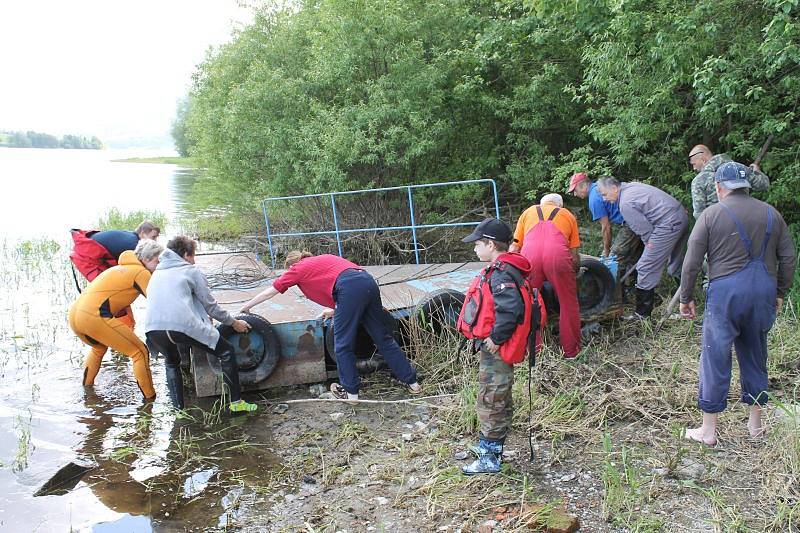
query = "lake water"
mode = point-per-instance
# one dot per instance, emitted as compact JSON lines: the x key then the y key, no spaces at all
{"x":47,"y":192}
{"x":149,"y":470}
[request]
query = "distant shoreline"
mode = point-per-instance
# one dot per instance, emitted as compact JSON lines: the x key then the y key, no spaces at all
{"x":167,"y":160}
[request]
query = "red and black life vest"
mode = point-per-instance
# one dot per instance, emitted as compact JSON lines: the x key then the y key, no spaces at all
{"x":477,"y":316}
{"x":89,"y":256}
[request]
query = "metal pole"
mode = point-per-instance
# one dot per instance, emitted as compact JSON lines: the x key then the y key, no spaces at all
{"x":269,"y":235}
{"x":496,"y":204}
{"x":336,"y":224}
{"x":413,"y":224}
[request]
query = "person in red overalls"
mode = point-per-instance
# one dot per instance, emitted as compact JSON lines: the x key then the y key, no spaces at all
{"x":547,"y":235}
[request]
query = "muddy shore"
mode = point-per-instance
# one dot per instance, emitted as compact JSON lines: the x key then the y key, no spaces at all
{"x":607,"y":440}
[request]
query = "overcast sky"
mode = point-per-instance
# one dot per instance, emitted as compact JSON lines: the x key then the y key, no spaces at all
{"x":111,"y":68}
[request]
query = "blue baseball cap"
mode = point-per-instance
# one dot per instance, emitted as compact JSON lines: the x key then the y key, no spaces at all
{"x":732,"y":175}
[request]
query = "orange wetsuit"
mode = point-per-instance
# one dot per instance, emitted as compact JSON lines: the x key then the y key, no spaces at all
{"x":92,"y":319}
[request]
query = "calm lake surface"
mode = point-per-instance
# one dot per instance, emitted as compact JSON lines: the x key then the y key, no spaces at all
{"x":47,"y":192}
{"x":149,"y":471}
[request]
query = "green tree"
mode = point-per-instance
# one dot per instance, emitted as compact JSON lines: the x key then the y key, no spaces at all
{"x":335,"y":94}
{"x":667,"y":75}
{"x":183,"y":143}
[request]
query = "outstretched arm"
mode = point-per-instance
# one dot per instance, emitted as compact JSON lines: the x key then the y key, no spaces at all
{"x":605,"y":226}
{"x":263,"y":296}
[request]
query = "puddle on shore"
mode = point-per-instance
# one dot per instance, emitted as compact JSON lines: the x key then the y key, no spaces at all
{"x":145,"y":469}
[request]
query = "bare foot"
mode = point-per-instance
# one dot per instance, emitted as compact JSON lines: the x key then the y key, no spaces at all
{"x":698,"y":435}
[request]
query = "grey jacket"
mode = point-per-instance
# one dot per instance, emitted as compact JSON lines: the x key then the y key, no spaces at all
{"x":178,"y":299}
{"x":715,"y":235}
{"x":645,"y":207}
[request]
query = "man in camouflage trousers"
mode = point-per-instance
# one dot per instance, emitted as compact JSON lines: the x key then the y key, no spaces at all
{"x":706,"y":163}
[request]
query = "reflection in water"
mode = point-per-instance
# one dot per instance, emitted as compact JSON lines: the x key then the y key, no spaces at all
{"x":175,"y":471}
{"x":181,"y":184}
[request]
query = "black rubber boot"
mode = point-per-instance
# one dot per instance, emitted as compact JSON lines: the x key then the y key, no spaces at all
{"x":230,"y":375}
{"x":645,"y":299}
{"x":175,"y":385}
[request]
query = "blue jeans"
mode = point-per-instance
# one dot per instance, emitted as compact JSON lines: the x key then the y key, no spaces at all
{"x":358,"y":302}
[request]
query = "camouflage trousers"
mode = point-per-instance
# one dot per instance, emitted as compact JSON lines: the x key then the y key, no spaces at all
{"x":627,"y":246}
{"x":494,"y":405}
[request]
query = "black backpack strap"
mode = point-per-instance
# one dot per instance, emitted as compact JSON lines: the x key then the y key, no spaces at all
{"x":75,"y":277}
{"x":539,"y":212}
{"x":553,"y":214}
{"x":536,"y":318}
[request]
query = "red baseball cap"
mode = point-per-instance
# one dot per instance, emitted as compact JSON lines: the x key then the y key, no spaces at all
{"x":576,"y":179}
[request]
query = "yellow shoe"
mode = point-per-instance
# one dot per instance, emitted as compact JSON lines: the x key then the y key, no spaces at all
{"x":242,"y":407}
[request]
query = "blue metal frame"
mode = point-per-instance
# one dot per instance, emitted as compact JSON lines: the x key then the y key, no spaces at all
{"x":338,"y":232}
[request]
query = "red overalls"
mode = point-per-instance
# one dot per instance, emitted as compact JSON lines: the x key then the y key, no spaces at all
{"x":548,"y":252}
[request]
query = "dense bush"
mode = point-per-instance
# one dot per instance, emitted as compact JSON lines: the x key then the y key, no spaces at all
{"x":340,"y":94}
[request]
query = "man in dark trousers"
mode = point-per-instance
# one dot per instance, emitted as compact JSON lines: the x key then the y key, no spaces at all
{"x":751,"y":262}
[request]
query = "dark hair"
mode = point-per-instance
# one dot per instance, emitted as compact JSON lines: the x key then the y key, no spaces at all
{"x":498,"y":245}
{"x":146,"y":227}
{"x":182,"y":245}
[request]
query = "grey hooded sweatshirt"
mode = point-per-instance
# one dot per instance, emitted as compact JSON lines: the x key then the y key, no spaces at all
{"x":178,"y":299}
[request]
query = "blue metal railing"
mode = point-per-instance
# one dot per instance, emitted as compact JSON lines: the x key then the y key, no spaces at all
{"x":413,"y":226}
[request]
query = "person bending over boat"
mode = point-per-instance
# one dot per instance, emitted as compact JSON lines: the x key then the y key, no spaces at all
{"x":180,"y":304}
{"x":352,"y":297}
{"x":92,"y":316}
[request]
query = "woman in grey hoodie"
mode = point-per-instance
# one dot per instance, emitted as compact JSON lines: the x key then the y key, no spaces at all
{"x":178,"y":310}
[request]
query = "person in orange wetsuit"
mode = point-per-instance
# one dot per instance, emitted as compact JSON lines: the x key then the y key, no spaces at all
{"x":97,"y":251}
{"x":92,"y":316}
{"x":547,"y":236}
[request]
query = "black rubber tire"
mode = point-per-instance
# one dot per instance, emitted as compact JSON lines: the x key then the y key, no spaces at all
{"x":365,"y":348}
{"x":595,"y":287}
{"x":257,"y":352}
{"x":550,"y":299}
{"x":436,"y":313}
{"x":440,"y":310}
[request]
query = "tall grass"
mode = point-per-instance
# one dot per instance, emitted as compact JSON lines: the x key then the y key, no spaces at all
{"x":116,"y":219}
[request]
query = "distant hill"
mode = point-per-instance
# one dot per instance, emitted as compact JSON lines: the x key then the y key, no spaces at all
{"x":33,"y":139}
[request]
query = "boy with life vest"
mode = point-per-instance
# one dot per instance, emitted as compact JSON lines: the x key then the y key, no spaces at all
{"x":497,"y":317}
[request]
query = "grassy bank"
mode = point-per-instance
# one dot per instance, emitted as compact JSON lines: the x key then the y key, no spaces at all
{"x":608,"y":446}
{"x":180,"y":161}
